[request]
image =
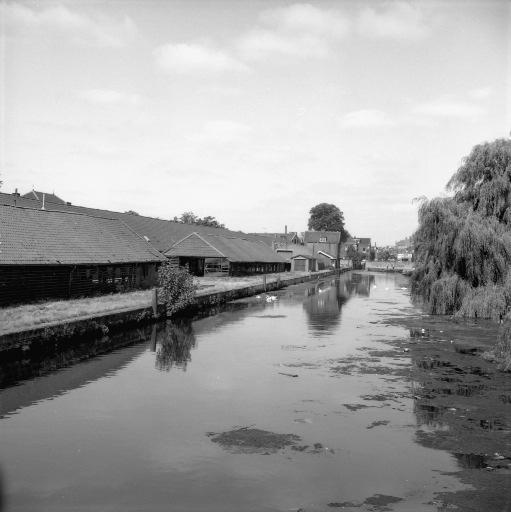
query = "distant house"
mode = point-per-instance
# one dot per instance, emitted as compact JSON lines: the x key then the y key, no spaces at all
{"x":55,"y":254}
{"x":327,"y":242}
{"x":43,"y":197}
{"x":215,"y":254}
{"x":279,"y":240}
{"x":298,"y":258}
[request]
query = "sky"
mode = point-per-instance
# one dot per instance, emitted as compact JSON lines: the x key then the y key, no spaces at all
{"x":251,"y":111}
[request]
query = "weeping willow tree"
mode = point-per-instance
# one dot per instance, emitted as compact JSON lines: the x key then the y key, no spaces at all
{"x":463,"y":243}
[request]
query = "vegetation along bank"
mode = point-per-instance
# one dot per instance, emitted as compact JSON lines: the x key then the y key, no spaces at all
{"x":463,"y":245}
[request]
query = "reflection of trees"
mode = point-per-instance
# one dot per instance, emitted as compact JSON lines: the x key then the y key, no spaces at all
{"x":175,"y":345}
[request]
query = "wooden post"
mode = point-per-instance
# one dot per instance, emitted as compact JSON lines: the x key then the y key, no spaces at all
{"x":155,"y":302}
{"x":153,"y":339}
{"x":264,"y":282}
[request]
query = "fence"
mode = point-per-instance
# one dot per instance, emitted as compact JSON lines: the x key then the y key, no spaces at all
{"x":29,"y":283}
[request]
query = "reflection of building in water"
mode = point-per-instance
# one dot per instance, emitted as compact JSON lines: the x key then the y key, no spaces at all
{"x":360,"y":284}
{"x":174,"y":345}
{"x":324,"y":303}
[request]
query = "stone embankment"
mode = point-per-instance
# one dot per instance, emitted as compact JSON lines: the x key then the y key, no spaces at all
{"x":101,"y":323}
{"x":404,"y":267}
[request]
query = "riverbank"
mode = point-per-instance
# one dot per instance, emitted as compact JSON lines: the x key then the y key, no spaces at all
{"x":20,"y":326}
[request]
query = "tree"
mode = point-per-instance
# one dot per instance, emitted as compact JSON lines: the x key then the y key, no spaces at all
{"x":210,"y":221}
{"x":188,"y":218}
{"x":191,"y":218}
{"x":463,"y":243}
{"x":177,"y":288}
{"x":327,"y":217}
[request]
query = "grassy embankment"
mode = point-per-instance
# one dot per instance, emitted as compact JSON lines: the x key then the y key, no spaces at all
{"x":31,"y":316}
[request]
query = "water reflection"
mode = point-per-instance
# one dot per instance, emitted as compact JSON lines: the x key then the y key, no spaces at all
{"x":324,"y":301}
{"x":174,"y":345}
{"x":44,"y":357}
{"x":360,"y":284}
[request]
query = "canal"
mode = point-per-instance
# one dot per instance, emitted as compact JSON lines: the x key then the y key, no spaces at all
{"x":321,"y":396}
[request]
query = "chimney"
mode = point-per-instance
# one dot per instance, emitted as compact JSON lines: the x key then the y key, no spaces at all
{"x":285,"y":229}
{"x":16,"y":193}
{"x":44,"y":197}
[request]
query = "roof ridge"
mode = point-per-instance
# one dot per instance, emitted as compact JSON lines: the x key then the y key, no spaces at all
{"x":57,"y":211}
{"x":211,"y":245}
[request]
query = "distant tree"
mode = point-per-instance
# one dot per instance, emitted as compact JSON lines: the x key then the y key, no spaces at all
{"x":210,"y":221}
{"x":355,"y":257}
{"x":188,"y":218}
{"x":132,"y":212}
{"x":327,"y":217}
{"x":191,"y":218}
{"x":384,"y":255}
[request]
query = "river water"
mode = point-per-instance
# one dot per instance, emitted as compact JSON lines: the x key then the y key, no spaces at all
{"x":293,"y":401}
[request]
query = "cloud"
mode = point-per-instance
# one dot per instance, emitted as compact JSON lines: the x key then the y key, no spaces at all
{"x":446,"y":108}
{"x":221,"y":132}
{"x":366,"y":118}
{"x":296,"y":30}
{"x":109,"y":97}
{"x":306,"y":18}
{"x":185,"y":58}
{"x":80,"y":28}
{"x":259,"y":43}
{"x":397,"y":20}
{"x":481,"y":93}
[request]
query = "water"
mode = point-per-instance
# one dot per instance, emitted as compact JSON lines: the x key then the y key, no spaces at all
{"x":134,"y":429}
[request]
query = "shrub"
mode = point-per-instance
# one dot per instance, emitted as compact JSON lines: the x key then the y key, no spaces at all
{"x":177,"y":289}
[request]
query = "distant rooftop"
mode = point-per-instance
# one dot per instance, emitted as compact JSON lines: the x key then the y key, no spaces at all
{"x":48,"y":198}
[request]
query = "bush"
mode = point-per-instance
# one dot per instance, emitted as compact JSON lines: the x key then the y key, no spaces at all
{"x":177,"y":289}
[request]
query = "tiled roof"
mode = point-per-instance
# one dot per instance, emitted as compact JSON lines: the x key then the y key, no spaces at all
{"x":271,"y":238}
{"x":332,"y":237}
{"x":48,"y":198}
{"x":235,"y":249}
{"x":162,"y":234}
{"x":36,"y":237}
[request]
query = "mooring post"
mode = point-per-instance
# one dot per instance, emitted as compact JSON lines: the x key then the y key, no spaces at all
{"x":153,"y":339}
{"x":155,"y":302}
{"x":278,"y":281}
{"x":264,"y":282}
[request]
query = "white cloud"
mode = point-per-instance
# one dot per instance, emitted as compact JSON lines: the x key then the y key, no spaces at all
{"x":80,"y":28}
{"x":481,"y":93}
{"x":446,"y":108}
{"x":109,"y":97}
{"x":260,"y":43}
{"x":306,"y":18}
{"x":296,"y":30}
{"x":221,"y":132}
{"x":366,"y":118}
{"x":185,"y":58}
{"x":397,"y":20}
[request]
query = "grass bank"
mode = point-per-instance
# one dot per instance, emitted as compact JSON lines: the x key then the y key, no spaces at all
{"x":32,"y":316}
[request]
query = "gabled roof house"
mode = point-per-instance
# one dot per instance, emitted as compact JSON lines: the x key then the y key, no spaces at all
{"x":207,"y":253}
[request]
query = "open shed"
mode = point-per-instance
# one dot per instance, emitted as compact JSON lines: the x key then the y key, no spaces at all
{"x":211,"y":254}
{"x":55,"y":254}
